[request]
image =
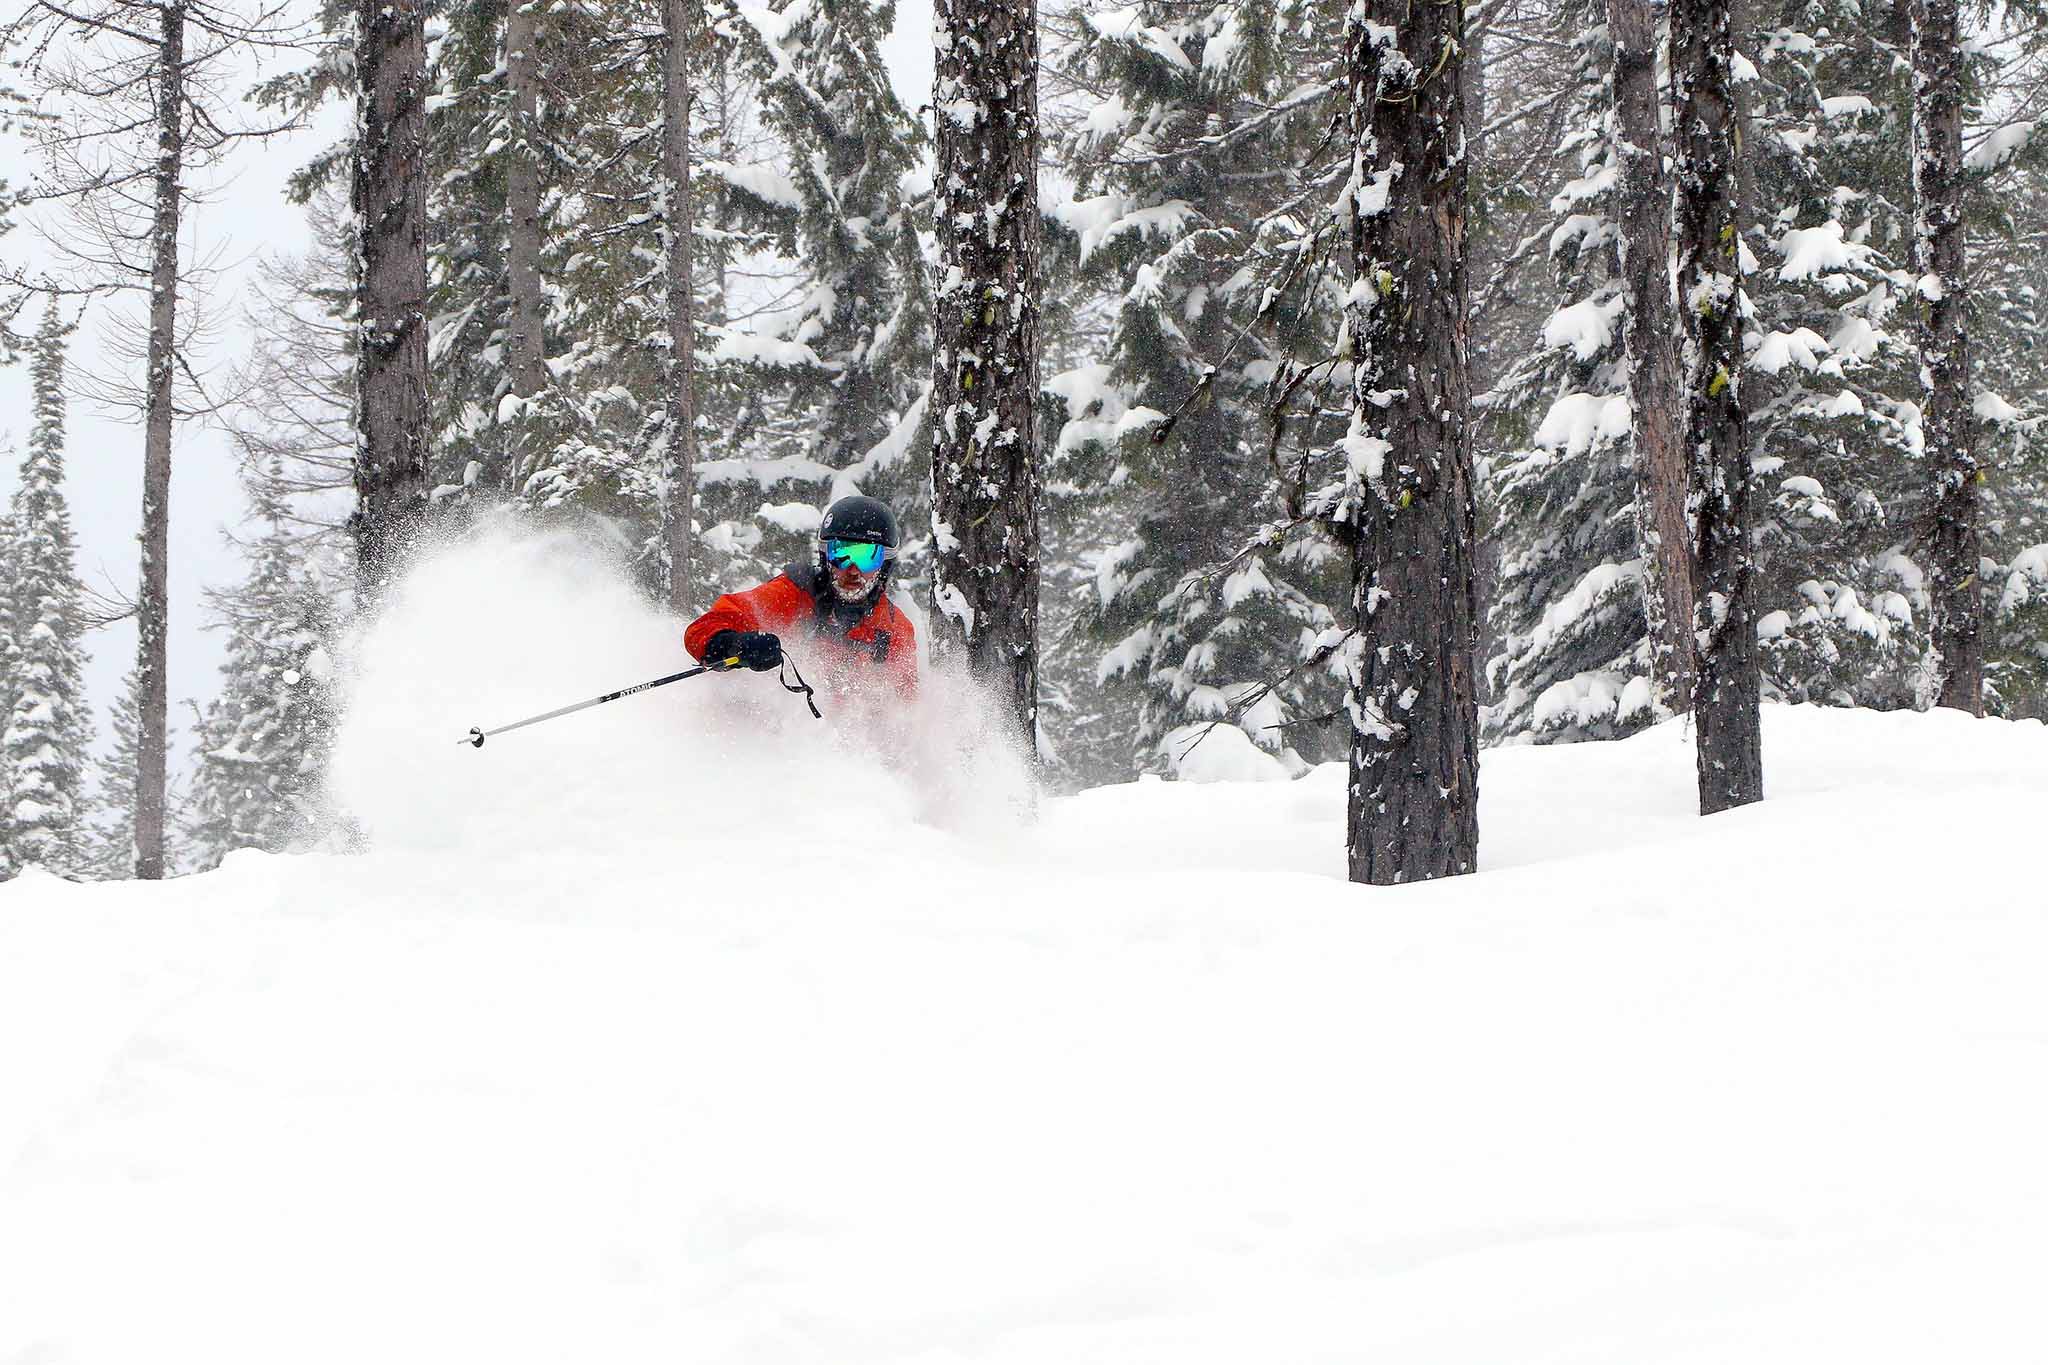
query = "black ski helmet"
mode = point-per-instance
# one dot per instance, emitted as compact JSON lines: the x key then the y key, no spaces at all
{"x":860,"y":518}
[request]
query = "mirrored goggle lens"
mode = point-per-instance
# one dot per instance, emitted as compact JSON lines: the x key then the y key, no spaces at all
{"x":861,"y":554}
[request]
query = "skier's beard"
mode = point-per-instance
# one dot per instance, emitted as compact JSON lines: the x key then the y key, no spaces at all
{"x":851,"y":586}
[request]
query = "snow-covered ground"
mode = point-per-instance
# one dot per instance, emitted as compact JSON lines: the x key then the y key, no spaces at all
{"x":688,"y":1030}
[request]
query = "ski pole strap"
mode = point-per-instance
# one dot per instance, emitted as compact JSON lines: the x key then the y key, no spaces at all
{"x":810,"y":694}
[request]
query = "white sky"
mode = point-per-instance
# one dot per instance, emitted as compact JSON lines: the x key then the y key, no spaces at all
{"x":247,"y":216}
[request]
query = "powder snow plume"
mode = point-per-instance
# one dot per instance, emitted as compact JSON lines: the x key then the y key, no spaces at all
{"x":506,"y":625}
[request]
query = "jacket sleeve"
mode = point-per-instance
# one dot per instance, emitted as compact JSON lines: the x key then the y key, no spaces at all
{"x":903,"y":657}
{"x":734,"y":611}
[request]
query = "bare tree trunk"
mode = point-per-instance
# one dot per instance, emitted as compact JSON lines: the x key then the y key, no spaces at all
{"x":152,"y":614}
{"x":1956,"y":538}
{"x":985,"y":374}
{"x":1414,"y":795}
{"x":527,"y":352}
{"x":1660,"y":464}
{"x":679,"y":239}
{"x":1727,"y":688}
{"x":390,"y":204}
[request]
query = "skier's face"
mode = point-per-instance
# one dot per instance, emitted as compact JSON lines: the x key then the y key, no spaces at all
{"x":854,"y":565}
{"x":850,"y":584}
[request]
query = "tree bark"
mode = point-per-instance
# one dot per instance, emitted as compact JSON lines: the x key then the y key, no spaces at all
{"x":1413,"y":811}
{"x":390,"y":205}
{"x":527,"y":351}
{"x":152,"y":613}
{"x":985,"y":375}
{"x":1956,"y":538}
{"x":679,"y":242}
{"x":1660,"y":464}
{"x":1727,"y":688}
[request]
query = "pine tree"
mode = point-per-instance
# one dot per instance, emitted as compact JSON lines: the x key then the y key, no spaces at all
{"x":1652,"y":349}
{"x":297,"y":391}
{"x":113,"y":837}
{"x":10,"y":101}
{"x":48,"y":734}
{"x":611,"y":322}
{"x":520,"y":133}
{"x":152,"y":614}
{"x":492,"y":158}
{"x":1832,"y":405}
{"x":1956,"y":539}
{"x":801,"y":168}
{"x":679,"y":242}
{"x":389,"y":195}
{"x":263,"y":743}
{"x":10,"y":670}
{"x":1831,"y":389}
{"x":156,"y":71}
{"x":1708,"y":238}
{"x":1205,"y":170}
{"x":800,"y":154}
{"x":843,"y":374}
{"x":1405,"y":500}
{"x":985,"y":475}
{"x":1572,"y":658}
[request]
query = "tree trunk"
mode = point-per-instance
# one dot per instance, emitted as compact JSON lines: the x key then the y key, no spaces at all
{"x":527,"y":353}
{"x":679,"y":240}
{"x":1956,"y":540}
{"x":1472,"y":83}
{"x":390,"y":204}
{"x":152,"y":611}
{"x":1727,"y":687}
{"x":1410,"y":517}
{"x":985,"y":372}
{"x":1660,"y":465}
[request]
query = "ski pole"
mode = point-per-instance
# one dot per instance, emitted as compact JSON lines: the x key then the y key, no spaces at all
{"x":476,"y":737}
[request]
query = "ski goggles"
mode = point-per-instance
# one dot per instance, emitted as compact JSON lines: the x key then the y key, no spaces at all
{"x":864,"y":555}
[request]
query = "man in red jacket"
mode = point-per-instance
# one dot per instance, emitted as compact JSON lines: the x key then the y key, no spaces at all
{"x":837,"y":605}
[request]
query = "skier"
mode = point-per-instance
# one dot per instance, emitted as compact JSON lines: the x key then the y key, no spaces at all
{"x":839,"y":600}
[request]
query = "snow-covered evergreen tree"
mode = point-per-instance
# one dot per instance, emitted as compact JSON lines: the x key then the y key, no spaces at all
{"x":1831,"y":370}
{"x":10,"y":664}
{"x":48,"y":730}
{"x":2016,"y":580}
{"x":112,"y":845}
{"x":1572,"y":657}
{"x":263,"y":743}
{"x":1834,"y":400}
{"x":834,"y":377}
{"x":1202,"y":210}
{"x":609,"y":316}
{"x":470,"y":147}
{"x":850,"y":144}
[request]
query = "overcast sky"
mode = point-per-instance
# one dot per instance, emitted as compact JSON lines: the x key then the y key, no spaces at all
{"x":245,"y":217}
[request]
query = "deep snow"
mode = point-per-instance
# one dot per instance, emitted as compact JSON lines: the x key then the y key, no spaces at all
{"x":687,"y":1030}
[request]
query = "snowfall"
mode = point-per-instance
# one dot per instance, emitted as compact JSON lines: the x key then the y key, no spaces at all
{"x":690,"y":1028}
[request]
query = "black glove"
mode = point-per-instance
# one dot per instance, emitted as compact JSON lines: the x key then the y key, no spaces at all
{"x":754,"y":649}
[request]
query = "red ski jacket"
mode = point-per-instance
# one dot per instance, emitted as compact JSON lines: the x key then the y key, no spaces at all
{"x":790,"y":605}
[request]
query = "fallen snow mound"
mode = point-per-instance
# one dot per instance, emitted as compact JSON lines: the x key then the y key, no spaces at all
{"x":692,"y":1029}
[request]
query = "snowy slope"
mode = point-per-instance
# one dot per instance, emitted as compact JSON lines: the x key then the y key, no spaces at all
{"x":685,"y":1030}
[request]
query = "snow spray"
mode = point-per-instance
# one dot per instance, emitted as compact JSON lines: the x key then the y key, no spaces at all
{"x":508,"y":622}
